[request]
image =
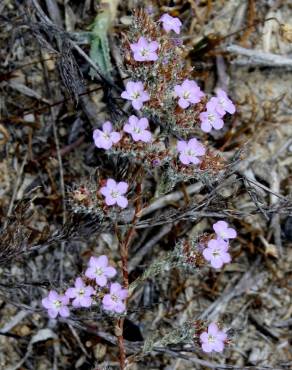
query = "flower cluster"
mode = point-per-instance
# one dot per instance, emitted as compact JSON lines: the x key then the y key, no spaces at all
{"x":213,"y":339}
{"x":137,"y":128}
{"x":217,"y":249}
{"x":189,"y":93}
{"x":170,"y":23}
{"x":114,"y":193}
{"x":162,"y":91}
{"x":136,"y":94}
{"x":145,"y":51}
{"x":105,"y":138}
{"x":217,"y":107}
{"x":164,"y":95}
{"x":190,"y":151}
{"x":82,"y":294}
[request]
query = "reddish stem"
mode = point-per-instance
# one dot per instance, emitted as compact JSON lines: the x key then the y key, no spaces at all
{"x":124,"y":250}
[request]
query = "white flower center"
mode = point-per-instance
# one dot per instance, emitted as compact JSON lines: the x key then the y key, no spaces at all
{"x":81,"y":292}
{"x":211,"y":338}
{"x":144,"y":52}
{"x":115,"y":193}
{"x":106,"y":135}
{"x":186,"y":94}
{"x":98,"y":271}
{"x":114,"y":297}
{"x":223,"y":234}
{"x":216,"y":253}
{"x":136,"y":95}
{"x":190,"y":152}
{"x":137,"y":130}
{"x":211,"y":117}
{"x":222,"y":102}
{"x":57,"y":304}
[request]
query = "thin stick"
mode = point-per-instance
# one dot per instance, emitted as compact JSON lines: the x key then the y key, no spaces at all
{"x":10,"y":208}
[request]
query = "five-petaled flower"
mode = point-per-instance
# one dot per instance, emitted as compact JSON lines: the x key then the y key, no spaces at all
{"x":221,"y":103}
{"x":137,"y":128}
{"x":223,"y":231}
{"x":106,"y":137}
{"x":136,"y":93}
{"x":217,"y":253}
{"x":210,"y":119}
{"x":213,"y":339}
{"x":190,"y":151}
{"x":145,"y":51}
{"x":188,"y":93}
{"x":114,"y":193}
{"x":114,"y":301}
{"x":56,"y":304}
{"x":81,"y":294}
{"x":99,"y":270}
{"x":170,"y":23}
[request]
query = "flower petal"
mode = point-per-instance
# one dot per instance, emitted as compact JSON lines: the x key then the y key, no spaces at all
{"x":53,"y":313}
{"x":137,"y":104}
{"x":53,"y":296}
{"x":90,"y":273}
{"x":115,"y":137}
{"x":185,"y":159}
{"x":216,"y":262}
{"x":122,"y":202}
{"x":204,"y":337}
{"x":110,"y":201}
{"x":110,"y":271}
{"x":79,"y":283}
{"x":107,"y":127}
{"x":183,"y":103}
{"x":181,"y":145}
{"x":104,"y":191}
{"x":206,"y":347}
{"x":120,"y":307}
{"x":102,"y":261}
{"x":122,"y":187}
{"x":46,"y":303}
{"x":70,"y":293}
{"x":101,"y":280}
{"x":64,"y":311}
{"x":115,"y":288}
{"x":213,"y":329}
{"x":86,"y":301}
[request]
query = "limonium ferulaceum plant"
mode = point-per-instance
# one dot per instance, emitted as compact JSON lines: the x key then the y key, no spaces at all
{"x":164,"y":130}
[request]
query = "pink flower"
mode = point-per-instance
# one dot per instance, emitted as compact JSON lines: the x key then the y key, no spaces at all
{"x":210,"y":119}
{"x":217,"y":253}
{"x":137,"y":128}
{"x":223,"y":231}
{"x":114,"y":192}
{"x":114,"y":300}
{"x":135,"y":92}
{"x":221,"y":103}
{"x":170,"y":23}
{"x":188,"y":93}
{"x":56,"y":304}
{"x":144,"y":51}
{"x":213,"y":339}
{"x":81,"y":294}
{"x":99,"y":270}
{"x":189,"y":151}
{"x":107,"y":137}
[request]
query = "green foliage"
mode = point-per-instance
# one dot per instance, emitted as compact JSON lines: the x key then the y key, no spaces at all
{"x":99,"y":45}
{"x":180,"y":335}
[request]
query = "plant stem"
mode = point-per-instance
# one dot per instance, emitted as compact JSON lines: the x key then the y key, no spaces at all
{"x":124,"y":250}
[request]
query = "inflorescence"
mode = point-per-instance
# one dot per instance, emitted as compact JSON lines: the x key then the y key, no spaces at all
{"x":160,"y":90}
